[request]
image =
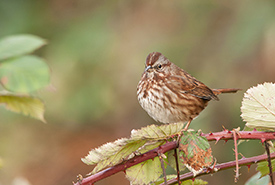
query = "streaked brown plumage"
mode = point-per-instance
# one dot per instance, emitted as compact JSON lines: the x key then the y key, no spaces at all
{"x":171,"y":95}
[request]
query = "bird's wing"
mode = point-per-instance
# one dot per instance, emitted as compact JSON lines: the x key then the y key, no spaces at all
{"x":189,"y":85}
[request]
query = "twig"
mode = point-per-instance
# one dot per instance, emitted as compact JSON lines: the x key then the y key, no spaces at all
{"x":269,"y":162}
{"x":224,"y":166}
{"x":177,"y":166}
{"x":236,"y":156}
{"x":163,"y":168}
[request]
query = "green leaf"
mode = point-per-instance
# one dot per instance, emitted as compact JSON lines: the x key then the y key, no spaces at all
{"x":257,"y":180}
{"x":157,"y":131}
{"x":17,"y":45}
{"x":161,"y":179}
{"x":194,"y":182}
{"x":172,"y":161}
{"x":24,"y":74}
{"x":26,"y":105}
{"x":145,"y":172}
{"x":195,"y":152}
{"x":263,"y":168}
{"x":258,"y":106}
{"x":186,"y":182}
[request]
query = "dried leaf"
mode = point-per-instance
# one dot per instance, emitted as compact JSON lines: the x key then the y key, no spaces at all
{"x":111,"y":154}
{"x":195,"y":152}
{"x":26,"y":105}
{"x":258,"y":106}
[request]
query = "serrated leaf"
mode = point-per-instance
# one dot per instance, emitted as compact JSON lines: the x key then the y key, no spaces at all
{"x":194,"y":182}
{"x":172,"y":161}
{"x":16,"y":45}
{"x":26,"y":105}
{"x":150,"y":145}
{"x":24,"y":74}
{"x":157,"y":131}
{"x":195,"y":152}
{"x":145,"y":172}
{"x":161,"y":179}
{"x":258,"y":106}
{"x":111,"y":154}
{"x":263,"y":168}
{"x":186,"y":182}
{"x":141,"y":141}
{"x":257,"y":180}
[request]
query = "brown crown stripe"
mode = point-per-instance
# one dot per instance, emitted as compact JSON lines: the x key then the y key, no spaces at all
{"x":152,"y":58}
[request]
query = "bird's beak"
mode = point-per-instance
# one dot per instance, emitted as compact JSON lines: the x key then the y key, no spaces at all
{"x":148,"y":68}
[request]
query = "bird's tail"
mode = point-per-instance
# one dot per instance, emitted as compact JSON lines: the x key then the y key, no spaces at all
{"x":228,"y":90}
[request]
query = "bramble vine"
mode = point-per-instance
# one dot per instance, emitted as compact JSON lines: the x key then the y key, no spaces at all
{"x":170,"y":146}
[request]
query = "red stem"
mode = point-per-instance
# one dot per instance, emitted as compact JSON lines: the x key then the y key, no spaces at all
{"x":236,"y":155}
{"x":224,"y":166}
{"x":127,"y":164}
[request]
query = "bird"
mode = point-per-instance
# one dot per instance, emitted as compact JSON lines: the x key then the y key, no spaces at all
{"x":171,"y":95}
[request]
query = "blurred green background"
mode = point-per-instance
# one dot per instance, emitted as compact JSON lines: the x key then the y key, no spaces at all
{"x":96,"y":52}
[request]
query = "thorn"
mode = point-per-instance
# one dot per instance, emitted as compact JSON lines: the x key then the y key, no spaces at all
{"x":254,"y":129}
{"x":217,"y":139}
{"x":248,"y":167}
{"x":243,"y":157}
{"x":249,"y":133}
{"x":224,"y":128}
{"x":124,"y":171}
{"x":193,"y":179}
{"x":210,"y":134}
{"x":263,"y":140}
{"x":225,"y":141}
{"x":229,"y":132}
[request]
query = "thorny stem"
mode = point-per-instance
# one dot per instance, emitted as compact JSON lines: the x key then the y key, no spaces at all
{"x":163,"y":168}
{"x":224,"y":166}
{"x":269,"y":161}
{"x":224,"y":135}
{"x":236,"y":155}
{"x":177,"y":165}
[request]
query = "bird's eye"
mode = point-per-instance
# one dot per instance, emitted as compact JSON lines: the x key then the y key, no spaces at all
{"x":159,"y":66}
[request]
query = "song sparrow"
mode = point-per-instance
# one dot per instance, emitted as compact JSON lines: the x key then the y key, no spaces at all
{"x":171,"y":95}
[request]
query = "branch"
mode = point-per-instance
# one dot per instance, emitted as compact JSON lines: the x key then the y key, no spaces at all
{"x":269,"y":162}
{"x":227,"y":134}
{"x":127,"y":164}
{"x":224,"y":135}
{"x":224,"y":166}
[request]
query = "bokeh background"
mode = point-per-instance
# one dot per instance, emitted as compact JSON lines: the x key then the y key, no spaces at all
{"x":96,"y":52}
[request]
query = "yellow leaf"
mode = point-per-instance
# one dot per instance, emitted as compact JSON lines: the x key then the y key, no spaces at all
{"x":26,"y":105}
